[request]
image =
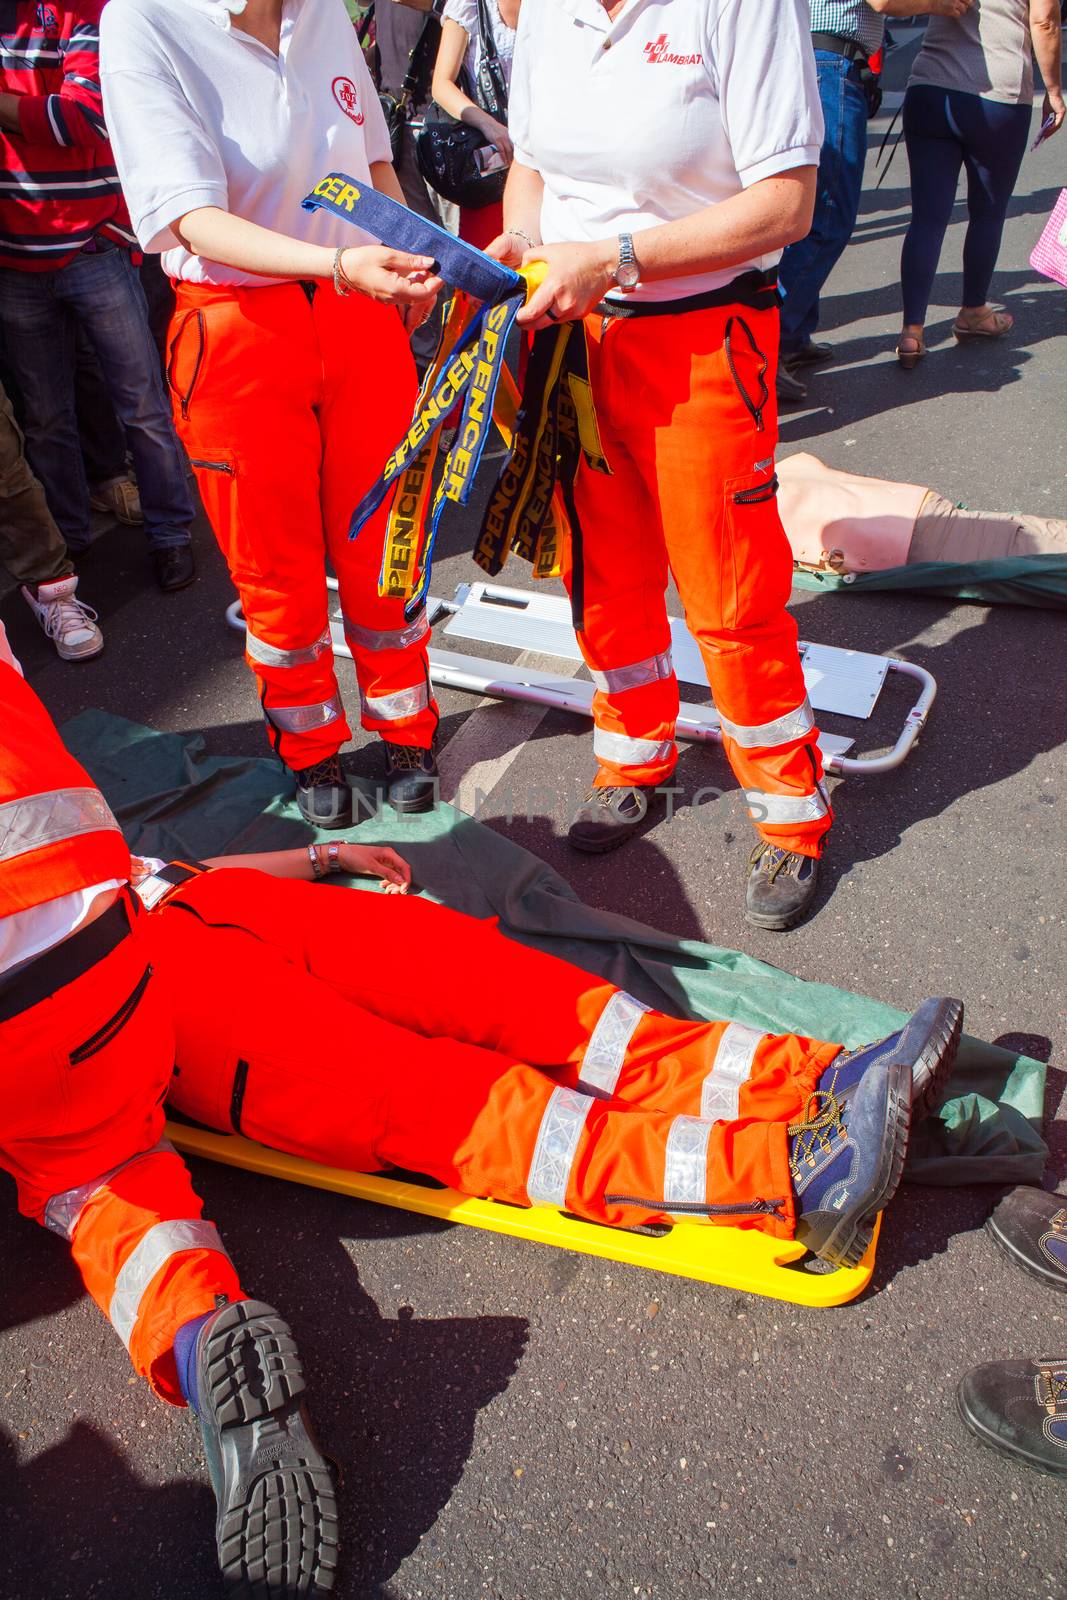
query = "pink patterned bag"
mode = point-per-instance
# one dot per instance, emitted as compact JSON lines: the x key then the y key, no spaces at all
{"x":1050,"y":252}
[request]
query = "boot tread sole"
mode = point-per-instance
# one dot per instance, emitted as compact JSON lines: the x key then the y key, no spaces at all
{"x":277,"y":1532}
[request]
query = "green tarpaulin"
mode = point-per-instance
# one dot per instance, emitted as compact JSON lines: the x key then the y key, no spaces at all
{"x":173,"y":800}
{"x":1014,"y":581}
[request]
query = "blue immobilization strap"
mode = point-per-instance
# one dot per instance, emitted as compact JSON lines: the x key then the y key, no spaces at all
{"x":460,"y":264}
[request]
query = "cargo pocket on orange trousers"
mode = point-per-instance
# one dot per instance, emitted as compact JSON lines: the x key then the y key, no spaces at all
{"x":226,"y":493}
{"x":750,"y":584}
{"x":297,"y":1109}
{"x":186,"y":350}
{"x":103,"y":1087}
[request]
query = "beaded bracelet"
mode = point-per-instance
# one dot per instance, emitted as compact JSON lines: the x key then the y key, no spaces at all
{"x":342,"y":285}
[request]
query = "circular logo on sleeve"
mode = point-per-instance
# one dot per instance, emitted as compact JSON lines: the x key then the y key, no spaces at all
{"x":347,"y":97}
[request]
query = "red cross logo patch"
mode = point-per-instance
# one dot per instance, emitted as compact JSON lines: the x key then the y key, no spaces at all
{"x":347,"y":97}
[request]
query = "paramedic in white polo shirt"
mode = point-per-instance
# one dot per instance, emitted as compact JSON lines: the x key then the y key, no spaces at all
{"x":665,"y":153}
{"x":288,"y":365}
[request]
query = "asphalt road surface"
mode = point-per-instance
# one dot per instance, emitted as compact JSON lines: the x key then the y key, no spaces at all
{"x":529,"y":1425}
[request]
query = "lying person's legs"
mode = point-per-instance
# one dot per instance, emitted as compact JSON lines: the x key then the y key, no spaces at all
{"x":443,"y":974}
{"x":269,"y":1049}
{"x":83,"y":1067}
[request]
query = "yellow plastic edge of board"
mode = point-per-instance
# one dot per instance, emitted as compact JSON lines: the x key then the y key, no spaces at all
{"x":735,"y":1258}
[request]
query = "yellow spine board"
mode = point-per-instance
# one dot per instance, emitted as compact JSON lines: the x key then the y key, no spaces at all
{"x":735,"y":1258}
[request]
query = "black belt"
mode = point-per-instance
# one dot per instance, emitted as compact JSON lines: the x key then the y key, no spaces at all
{"x":757,"y":290}
{"x":54,"y":969}
{"x":840,"y":47}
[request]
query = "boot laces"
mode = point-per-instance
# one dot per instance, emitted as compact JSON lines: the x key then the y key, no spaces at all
{"x":406,"y":757}
{"x":328,"y":770}
{"x":823,"y":1118}
{"x":1055,"y":1388}
{"x":780,"y":860}
{"x":67,"y":615}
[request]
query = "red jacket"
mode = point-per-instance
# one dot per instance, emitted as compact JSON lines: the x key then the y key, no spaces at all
{"x":58,"y":183}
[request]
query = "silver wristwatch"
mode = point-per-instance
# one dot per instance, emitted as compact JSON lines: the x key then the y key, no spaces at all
{"x":627,"y":274}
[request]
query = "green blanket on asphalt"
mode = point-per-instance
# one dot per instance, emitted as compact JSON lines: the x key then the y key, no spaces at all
{"x":1012,"y":581}
{"x":173,"y":800}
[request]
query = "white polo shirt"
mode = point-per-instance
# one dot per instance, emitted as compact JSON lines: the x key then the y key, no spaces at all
{"x":202,"y":114}
{"x":674,"y":106}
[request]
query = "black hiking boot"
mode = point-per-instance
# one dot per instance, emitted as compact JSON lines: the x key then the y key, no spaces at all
{"x":276,"y":1528}
{"x":781,"y":886}
{"x":411,"y":778}
{"x":1020,"y":1409}
{"x":324,"y":798}
{"x":607,"y":817}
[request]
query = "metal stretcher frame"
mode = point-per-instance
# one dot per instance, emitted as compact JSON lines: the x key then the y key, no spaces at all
{"x":734,"y":1258}
{"x":509,"y":681}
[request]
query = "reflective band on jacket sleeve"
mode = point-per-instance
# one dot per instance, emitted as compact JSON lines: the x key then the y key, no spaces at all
{"x":608,"y":1044}
{"x":153,"y":1251}
{"x":388,"y":638}
{"x":557,"y":1143}
{"x":268,"y":655}
{"x":42,"y":819}
{"x":625,"y":752}
{"x":685,"y":1168}
{"x":63,"y":1210}
{"x":730,"y":1069}
{"x":301,"y":719}
{"x":616,"y":680}
{"x":784,"y":808}
{"x":766,"y":735}
{"x":394,"y":707}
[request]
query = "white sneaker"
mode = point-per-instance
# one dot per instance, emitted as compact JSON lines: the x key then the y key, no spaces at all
{"x":67,"y":621}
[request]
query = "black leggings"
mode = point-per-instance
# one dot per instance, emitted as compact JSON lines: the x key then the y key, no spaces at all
{"x":945,"y":129}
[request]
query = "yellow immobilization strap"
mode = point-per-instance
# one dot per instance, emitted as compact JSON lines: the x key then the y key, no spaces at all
{"x":405,"y":532}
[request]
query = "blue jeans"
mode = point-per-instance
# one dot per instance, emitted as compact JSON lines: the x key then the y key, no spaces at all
{"x":805,"y":266}
{"x":41,"y":313}
{"x":944,"y":130}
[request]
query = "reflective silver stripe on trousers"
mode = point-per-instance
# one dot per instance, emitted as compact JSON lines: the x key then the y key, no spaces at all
{"x":154,"y":1249}
{"x":784,"y":808}
{"x":40,"y":819}
{"x":608,"y":1044}
{"x":393,"y":707}
{"x":730,"y":1069}
{"x":616,"y":680}
{"x":765,"y":735}
{"x":557,"y":1143}
{"x":302,"y":719}
{"x":623,"y":751}
{"x":268,"y":655}
{"x":63,"y":1210}
{"x":685,"y":1168}
{"x":388,"y":638}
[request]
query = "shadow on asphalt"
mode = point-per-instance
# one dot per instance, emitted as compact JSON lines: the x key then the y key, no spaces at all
{"x":973,"y":669}
{"x":395,"y":1400}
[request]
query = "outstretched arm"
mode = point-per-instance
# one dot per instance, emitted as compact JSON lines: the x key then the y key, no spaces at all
{"x":359,"y":860}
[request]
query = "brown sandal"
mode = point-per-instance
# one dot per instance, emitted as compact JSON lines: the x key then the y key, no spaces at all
{"x":910,"y":358}
{"x":1002,"y":323}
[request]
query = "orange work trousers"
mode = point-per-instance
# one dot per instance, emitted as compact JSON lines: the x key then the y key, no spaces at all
{"x":289,"y":401}
{"x":368,"y":1031}
{"x":82,"y":1079}
{"x":687,"y":416}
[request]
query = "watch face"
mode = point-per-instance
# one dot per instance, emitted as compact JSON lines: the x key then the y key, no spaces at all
{"x":627,"y":275}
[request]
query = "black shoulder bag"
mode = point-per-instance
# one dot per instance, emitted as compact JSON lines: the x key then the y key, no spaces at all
{"x":416,"y":85}
{"x":447,"y":150}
